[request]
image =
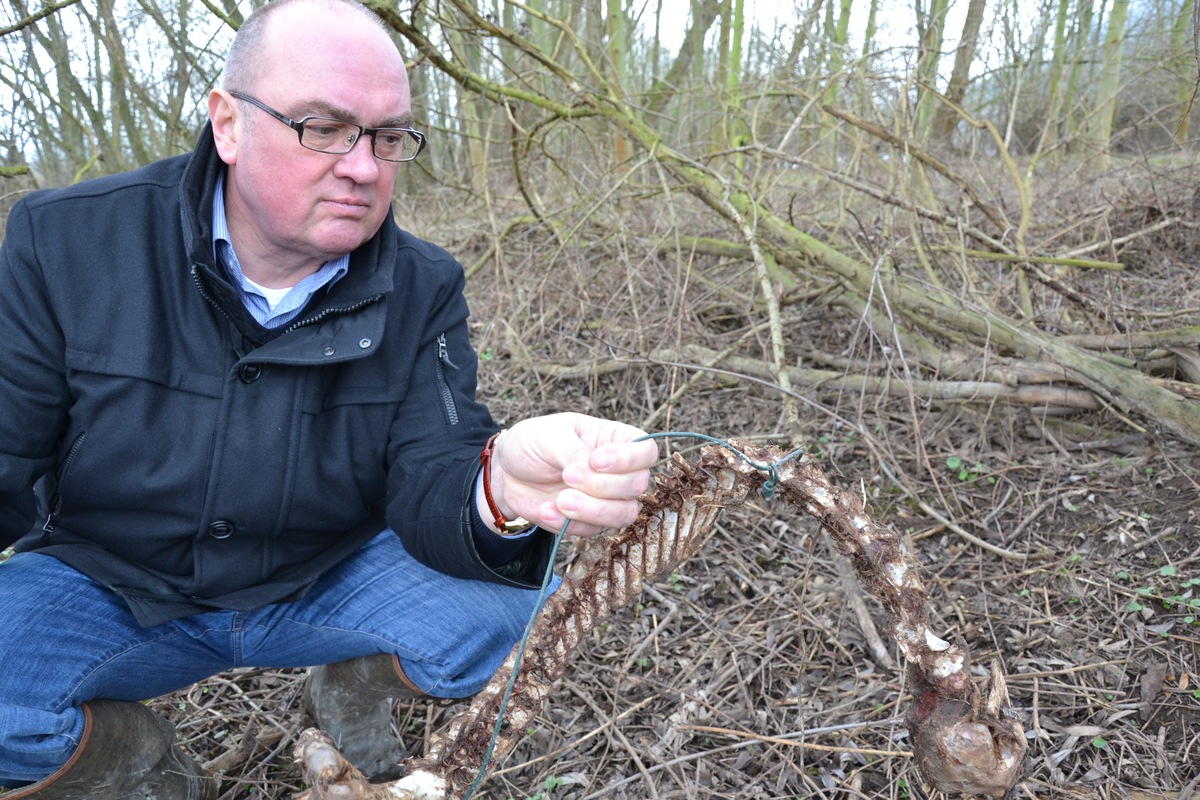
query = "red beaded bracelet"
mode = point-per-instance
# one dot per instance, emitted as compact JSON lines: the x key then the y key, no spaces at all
{"x":505,"y":526}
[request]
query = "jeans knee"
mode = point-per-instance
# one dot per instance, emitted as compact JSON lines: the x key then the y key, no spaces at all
{"x":34,"y":742}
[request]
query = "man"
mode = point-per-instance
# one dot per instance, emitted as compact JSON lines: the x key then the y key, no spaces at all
{"x":249,"y":400}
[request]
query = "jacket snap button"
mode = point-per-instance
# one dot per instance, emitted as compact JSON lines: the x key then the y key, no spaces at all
{"x":364,"y":343}
{"x":328,"y":351}
{"x":221,"y":529}
{"x":249,"y":373}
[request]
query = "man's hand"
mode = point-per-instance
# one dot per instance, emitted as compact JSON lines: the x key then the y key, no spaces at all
{"x":570,"y":466}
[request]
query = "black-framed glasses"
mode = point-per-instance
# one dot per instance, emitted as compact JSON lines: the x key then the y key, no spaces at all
{"x":338,"y":137}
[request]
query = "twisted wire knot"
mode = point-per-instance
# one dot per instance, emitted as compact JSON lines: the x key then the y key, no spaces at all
{"x":767,"y":490}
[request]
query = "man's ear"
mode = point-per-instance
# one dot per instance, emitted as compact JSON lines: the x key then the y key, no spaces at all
{"x":223,"y":115}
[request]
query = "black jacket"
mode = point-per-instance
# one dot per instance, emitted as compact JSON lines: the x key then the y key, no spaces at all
{"x":191,"y":460}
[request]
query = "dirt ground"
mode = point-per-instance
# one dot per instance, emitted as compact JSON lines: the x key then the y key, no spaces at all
{"x":750,"y":673}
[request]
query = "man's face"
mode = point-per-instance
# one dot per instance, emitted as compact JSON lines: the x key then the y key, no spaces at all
{"x":288,"y":206}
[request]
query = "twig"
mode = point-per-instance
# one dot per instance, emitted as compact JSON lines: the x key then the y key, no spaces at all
{"x":241,"y":753}
{"x":620,"y":736}
{"x":1144,"y":543}
{"x":826,"y":748}
{"x":576,"y":742}
{"x":1054,"y":260}
{"x":738,"y":745}
{"x":39,"y":15}
{"x":1115,"y":243}
{"x":973,"y":539}
{"x":854,"y":596}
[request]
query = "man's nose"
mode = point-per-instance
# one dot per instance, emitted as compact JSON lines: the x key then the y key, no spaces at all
{"x":360,"y":163}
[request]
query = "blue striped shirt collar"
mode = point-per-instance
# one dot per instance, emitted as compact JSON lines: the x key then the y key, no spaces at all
{"x":295,"y":300}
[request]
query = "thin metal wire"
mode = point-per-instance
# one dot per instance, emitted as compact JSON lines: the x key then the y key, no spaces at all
{"x":772,"y":468}
{"x":512,"y":679}
{"x":767,"y":491}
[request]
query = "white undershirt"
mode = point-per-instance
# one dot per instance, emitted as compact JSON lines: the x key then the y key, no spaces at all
{"x":272,"y":296}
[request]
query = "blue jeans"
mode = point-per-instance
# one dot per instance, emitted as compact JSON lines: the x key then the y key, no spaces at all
{"x":68,"y":640}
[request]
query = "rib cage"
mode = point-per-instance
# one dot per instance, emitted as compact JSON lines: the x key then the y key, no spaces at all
{"x":962,"y":744}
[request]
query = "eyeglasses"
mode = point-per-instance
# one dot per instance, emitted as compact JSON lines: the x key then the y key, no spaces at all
{"x":326,"y":135}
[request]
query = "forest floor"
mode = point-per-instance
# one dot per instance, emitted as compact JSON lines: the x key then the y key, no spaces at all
{"x":748,"y":674}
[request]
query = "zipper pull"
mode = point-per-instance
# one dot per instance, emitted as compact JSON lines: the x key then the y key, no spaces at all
{"x":52,"y":515}
{"x":444,"y":351}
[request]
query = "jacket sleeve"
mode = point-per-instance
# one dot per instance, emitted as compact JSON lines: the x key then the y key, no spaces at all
{"x":435,"y":444}
{"x":33,"y":385}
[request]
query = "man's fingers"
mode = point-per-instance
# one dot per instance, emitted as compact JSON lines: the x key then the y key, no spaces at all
{"x":589,"y":515}
{"x":624,"y":457}
{"x":606,"y":486}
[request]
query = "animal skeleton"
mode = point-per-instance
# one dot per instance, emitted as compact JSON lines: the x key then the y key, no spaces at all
{"x":966,"y":742}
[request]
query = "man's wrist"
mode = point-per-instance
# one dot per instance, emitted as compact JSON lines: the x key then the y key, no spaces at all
{"x":483,"y":513}
{"x":500,"y":522}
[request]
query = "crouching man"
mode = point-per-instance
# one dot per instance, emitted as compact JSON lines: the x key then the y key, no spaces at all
{"x":240,"y":429}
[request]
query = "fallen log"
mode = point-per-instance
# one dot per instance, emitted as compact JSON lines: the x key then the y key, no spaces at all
{"x":966,"y":741}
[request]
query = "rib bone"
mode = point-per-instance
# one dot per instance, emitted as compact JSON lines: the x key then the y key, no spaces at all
{"x":964,"y":744}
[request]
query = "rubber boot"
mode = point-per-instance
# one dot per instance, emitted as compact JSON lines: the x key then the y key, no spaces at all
{"x":351,"y":702}
{"x":127,"y":753}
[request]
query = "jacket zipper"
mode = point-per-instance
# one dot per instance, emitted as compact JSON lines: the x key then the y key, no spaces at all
{"x":205,"y":293}
{"x":443,"y":385}
{"x":55,"y":504}
{"x":295,"y":324}
{"x":305,"y":321}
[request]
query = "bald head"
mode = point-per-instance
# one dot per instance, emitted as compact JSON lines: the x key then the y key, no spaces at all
{"x":252,"y":46}
{"x":291,"y":207}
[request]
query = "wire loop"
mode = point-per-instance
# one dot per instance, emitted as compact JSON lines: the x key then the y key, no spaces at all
{"x":772,"y":468}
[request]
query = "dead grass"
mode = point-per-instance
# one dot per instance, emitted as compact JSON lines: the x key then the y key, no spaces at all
{"x":748,"y":674}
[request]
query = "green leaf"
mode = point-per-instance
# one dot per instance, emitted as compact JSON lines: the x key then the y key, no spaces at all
{"x":1134,"y":606}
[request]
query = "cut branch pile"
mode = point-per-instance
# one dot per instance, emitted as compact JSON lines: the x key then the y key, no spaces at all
{"x":966,"y":742}
{"x":1020,"y":300}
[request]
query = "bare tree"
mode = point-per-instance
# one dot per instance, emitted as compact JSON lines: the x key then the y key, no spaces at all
{"x":964,"y":57}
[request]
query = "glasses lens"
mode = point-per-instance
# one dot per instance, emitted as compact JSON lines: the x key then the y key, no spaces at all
{"x":393,"y":144}
{"x":329,"y":135}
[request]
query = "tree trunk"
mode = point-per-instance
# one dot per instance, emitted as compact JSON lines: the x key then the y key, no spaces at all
{"x":1054,"y":84}
{"x":704,"y":13}
{"x":1187,"y":68}
{"x":931,"y":27}
{"x":1079,"y":46}
{"x":964,"y":55}
{"x":838,"y":38}
{"x":471,"y":110}
{"x":870,"y":28}
{"x":785,"y":243}
{"x":617,"y":27}
{"x":1099,"y":129}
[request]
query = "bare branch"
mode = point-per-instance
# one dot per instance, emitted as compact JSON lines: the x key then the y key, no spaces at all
{"x":32,"y":18}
